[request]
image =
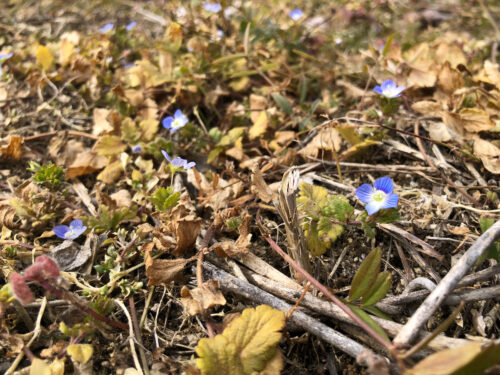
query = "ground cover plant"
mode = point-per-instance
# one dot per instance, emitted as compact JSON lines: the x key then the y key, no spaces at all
{"x":249,"y":187}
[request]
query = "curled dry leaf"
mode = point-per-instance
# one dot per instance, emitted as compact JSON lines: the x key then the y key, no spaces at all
{"x":13,"y":150}
{"x":87,"y":162}
{"x":184,"y":224}
{"x":489,"y":154}
{"x":323,"y":142}
{"x":260,"y":187}
{"x":216,"y":194}
{"x":240,"y":246}
{"x":202,"y":298}
{"x":162,"y":271}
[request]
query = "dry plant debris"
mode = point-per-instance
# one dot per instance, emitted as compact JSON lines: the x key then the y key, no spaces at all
{"x":249,"y":187}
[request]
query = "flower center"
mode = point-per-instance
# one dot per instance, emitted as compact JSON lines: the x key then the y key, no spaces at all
{"x":378,"y":196}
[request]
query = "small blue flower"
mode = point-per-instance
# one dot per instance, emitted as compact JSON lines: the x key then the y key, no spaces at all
{"x":131,"y":25}
{"x":176,"y":122}
{"x":379,"y":196}
{"x":75,"y":229}
{"x":296,"y":14}
{"x":389,"y":89}
{"x":178,"y":162}
{"x":107,"y":27}
{"x":136,"y":148}
{"x":4,"y":56}
{"x":212,"y":7}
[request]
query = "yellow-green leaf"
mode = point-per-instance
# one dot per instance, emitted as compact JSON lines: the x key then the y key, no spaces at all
{"x":44,"y":57}
{"x":259,"y":127}
{"x":467,"y":359}
{"x":311,"y":198}
{"x":111,"y":173}
{"x":247,"y":345}
{"x":368,"y":320}
{"x":366,"y":275}
{"x":39,"y":367}
{"x":109,"y":145}
{"x":80,"y":353}
{"x":148,"y":129}
{"x":378,"y":290}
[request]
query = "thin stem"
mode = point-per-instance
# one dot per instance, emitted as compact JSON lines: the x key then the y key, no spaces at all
{"x":61,"y":294}
{"x":325,"y":291}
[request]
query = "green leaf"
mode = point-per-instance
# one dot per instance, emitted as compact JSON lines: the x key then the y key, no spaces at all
{"x":337,"y":206}
{"x":328,"y":231}
{"x":375,"y":311}
{"x":388,"y":216}
{"x":472,"y":358}
{"x":368,"y":320}
{"x":283,"y":103}
{"x":378,"y":290}
{"x":485,"y":223}
{"x":366,"y":275}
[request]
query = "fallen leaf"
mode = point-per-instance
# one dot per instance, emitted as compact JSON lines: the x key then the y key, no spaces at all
{"x":259,"y":186}
{"x":489,"y":154}
{"x":475,"y":120}
{"x":87,"y":162}
{"x":101,"y":123}
{"x":109,"y":145}
{"x":111,"y":173}
{"x":14,"y":149}
{"x":202,"y":298}
{"x":44,"y":57}
{"x":162,"y":271}
{"x":259,"y":127}
{"x":428,"y":108}
{"x":240,"y":246}
{"x":80,"y":353}
{"x":70,"y":255}
{"x":326,"y":140}
{"x":449,"y":79}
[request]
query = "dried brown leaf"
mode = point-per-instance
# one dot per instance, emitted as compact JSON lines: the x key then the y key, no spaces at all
{"x":202,"y":298}
{"x":13,"y":150}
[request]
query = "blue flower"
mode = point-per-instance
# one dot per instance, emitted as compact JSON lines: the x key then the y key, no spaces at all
{"x":296,"y":14}
{"x":212,"y":7}
{"x":131,"y":25}
{"x":107,"y":27}
{"x":136,"y":148}
{"x":379,"y":196}
{"x":74,"y":230}
{"x":178,"y":162}
{"x":4,"y":56}
{"x":389,"y":89}
{"x":176,"y":122}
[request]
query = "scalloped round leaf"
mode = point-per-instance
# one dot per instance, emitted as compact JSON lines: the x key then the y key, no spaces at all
{"x":247,"y":345}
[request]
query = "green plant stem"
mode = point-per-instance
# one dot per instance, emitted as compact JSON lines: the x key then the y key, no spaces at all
{"x":324,"y":290}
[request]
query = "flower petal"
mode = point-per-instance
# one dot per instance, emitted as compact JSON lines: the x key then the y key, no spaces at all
{"x":388,"y":84}
{"x":391,"y":201}
{"x":166,"y":155}
{"x":385,"y":184}
{"x":364,"y":193}
{"x":60,"y":231}
{"x":189,"y":165}
{"x":76,"y":224}
{"x":373,"y":207}
{"x":167,"y":122}
{"x":378,"y":89}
